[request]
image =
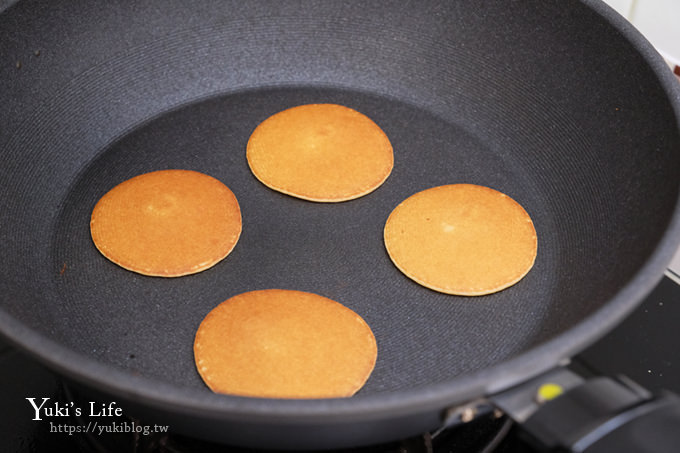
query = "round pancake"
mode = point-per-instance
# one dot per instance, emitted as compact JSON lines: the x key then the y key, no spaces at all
{"x":320,"y":152}
{"x":461,"y":239}
{"x":279,"y":343}
{"x":167,"y":223}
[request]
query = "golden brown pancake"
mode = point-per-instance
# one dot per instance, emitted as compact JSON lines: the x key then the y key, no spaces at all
{"x":167,"y":223}
{"x":279,"y":343}
{"x":461,"y":239}
{"x":320,"y":152}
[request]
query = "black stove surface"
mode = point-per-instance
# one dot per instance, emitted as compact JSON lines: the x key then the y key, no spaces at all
{"x":642,"y":348}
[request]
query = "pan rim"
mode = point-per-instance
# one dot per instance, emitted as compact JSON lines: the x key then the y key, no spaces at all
{"x":457,"y":390}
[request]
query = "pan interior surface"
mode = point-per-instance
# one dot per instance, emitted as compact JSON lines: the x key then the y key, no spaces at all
{"x":147,"y":324}
{"x":535,"y":99}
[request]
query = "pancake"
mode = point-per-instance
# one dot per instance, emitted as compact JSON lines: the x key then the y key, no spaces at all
{"x":279,"y":343}
{"x":461,"y":239}
{"x":320,"y":152}
{"x":167,"y":223}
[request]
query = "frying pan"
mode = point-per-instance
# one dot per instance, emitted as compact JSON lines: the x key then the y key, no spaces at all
{"x":559,"y":104}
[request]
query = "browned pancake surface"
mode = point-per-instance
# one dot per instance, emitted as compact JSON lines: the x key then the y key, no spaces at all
{"x":167,"y":223}
{"x":461,"y":239}
{"x":284,"y":344}
{"x":320,"y":152}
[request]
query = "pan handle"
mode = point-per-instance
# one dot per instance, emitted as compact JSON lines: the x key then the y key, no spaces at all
{"x":563,"y":412}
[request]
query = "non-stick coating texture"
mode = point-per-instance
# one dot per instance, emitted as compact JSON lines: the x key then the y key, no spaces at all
{"x":335,"y":250}
{"x":518,"y":96}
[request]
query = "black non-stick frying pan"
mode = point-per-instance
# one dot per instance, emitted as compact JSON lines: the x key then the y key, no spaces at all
{"x":559,"y":104}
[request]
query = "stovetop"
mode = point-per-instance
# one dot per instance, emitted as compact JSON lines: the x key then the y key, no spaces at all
{"x":643,"y":347}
